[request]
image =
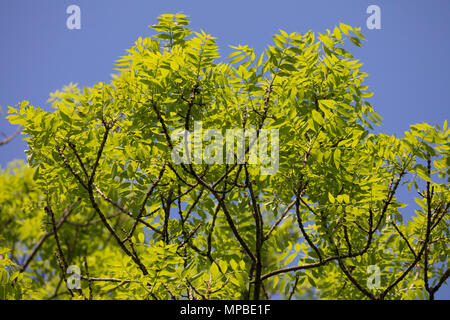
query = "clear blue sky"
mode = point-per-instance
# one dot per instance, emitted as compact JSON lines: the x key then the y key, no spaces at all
{"x":408,"y":59}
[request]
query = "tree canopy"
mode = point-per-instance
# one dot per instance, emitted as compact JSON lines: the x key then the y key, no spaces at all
{"x":102,"y":194}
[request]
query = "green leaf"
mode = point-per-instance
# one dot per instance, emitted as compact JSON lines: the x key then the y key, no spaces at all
{"x":345,"y":28}
{"x":237,"y":59}
{"x":337,"y":33}
{"x":331,"y":198}
{"x":337,"y":157}
{"x":422,"y":172}
{"x":324,"y":104}
{"x":355,"y":41}
{"x":279,"y":40}
{"x":311,"y":281}
{"x":326,"y":41}
{"x":317,"y":117}
{"x":290,"y":258}
{"x":260,"y":60}
{"x":214,"y":271}
{"x":65,"y":117}
{"x":288,"y":67}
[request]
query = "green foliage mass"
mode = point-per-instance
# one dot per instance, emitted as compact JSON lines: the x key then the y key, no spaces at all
{"x":139,"y":226}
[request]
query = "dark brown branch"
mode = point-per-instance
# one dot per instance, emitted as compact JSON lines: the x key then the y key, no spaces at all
{"x":144,"y":203}
{"x":49,"y":211}
{"x":8,"y":139}
{"x":61,"y":220}
{"x":280,"y":219}
{"x":259,"y":239}
{"x":404,"y":238}
{"x":88,"y":276}
{"x":66,"y":163}
{"x":302,"y":228}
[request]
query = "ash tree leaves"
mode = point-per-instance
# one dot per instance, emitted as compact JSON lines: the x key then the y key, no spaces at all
{"x":172,"y":28}
{"x":141,"y":226}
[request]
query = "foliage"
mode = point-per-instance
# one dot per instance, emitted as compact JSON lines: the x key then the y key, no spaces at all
{"x":140,"y":226}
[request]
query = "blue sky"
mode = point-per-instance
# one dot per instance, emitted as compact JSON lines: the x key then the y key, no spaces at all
{"x":407,"y":59}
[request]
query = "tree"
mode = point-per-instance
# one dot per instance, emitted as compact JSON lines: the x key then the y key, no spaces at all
{"x":145,"y":216}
